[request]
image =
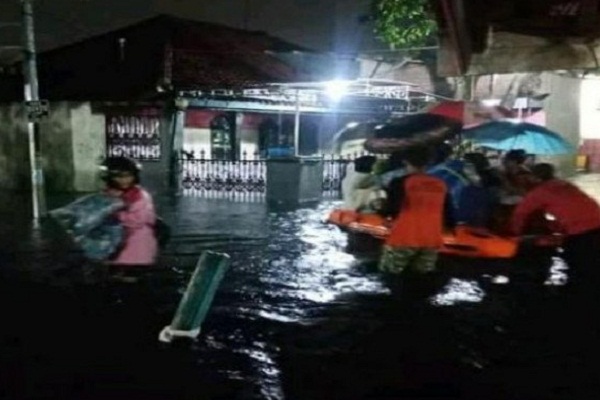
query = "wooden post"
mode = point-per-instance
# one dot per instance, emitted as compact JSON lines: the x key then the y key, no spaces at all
{"x":198,"y":297}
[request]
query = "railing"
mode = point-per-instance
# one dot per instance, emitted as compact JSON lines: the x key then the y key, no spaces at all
{"x":245,"y":180}
{"x":241,"y":180}
{"x":334,"y":171}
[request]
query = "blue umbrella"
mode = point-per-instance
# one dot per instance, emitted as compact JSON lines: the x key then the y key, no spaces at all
{"x":508,"y":135}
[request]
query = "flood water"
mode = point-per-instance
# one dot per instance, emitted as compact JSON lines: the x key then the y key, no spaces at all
{"x":296,"y":317}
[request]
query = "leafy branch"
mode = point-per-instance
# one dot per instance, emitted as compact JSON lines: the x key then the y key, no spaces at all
{"x":404,"y":23}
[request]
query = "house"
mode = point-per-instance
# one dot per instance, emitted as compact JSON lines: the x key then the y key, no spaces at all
{"x":166,"y":85}
{"x":115,"y":94}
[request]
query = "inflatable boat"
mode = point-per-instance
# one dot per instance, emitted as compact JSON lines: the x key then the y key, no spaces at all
{"x":465,"y":241}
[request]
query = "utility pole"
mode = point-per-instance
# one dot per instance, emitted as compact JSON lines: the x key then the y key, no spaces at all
{"x":297,"y":125}
{"x":35,"y":110}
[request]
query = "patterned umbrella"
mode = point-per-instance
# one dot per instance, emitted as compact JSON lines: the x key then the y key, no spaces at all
{"x":508,"y":135}
{"x":411,"y":130}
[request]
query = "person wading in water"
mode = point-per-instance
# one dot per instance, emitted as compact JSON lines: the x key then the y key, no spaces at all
{"x":420,"y":206}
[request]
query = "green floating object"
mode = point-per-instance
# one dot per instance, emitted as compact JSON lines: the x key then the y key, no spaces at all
{"x":198,"y":297}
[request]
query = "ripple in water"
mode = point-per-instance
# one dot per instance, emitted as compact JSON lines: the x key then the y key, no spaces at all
{"x":459,"y":291}
{"x":558,"y":273}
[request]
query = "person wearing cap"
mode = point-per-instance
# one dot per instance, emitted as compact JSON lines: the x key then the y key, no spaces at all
{"x":122,"y":178}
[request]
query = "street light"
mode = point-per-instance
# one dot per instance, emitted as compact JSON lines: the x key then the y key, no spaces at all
{"x":336,"y":89}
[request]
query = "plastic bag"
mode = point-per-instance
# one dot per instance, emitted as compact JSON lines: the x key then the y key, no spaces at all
{"x":90,"y":223}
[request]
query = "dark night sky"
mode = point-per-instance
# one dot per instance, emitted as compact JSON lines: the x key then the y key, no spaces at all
{"x":330,"y":25}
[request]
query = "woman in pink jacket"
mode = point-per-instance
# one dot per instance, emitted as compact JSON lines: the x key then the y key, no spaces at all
{"x":122,"y":177}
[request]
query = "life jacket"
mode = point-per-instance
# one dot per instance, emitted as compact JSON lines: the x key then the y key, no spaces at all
{"x":420,"y":221}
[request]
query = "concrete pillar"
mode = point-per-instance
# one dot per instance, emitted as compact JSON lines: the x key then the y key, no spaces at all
{"x":88,"y":127}
{"x":176,"y":142}
{"x":155,"y":174}
{"x":14,"y":156}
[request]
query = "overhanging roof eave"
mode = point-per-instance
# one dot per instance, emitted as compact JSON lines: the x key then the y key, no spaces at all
{"x":252,"y":106}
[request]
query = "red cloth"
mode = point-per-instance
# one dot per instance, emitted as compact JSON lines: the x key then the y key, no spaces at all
{"x":132,"y":195}
{"x":575,"y":211}
{"x":470,"y":112}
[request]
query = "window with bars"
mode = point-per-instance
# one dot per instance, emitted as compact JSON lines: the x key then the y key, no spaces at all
{"x":135,"y":136}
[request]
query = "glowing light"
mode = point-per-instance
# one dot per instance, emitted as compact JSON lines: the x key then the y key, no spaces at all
{"x":491,"y":102}
{"x":550,"y":217}
{"x":352,"y":125}
{"x":336,"y":89}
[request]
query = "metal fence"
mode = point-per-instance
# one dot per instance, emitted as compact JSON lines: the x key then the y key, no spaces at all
{"x":334,"y":170}
{"x":246,"y":179}
{"x":240,"y":180}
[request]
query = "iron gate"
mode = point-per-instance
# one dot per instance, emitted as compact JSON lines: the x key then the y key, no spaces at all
{"x":246,"y":179}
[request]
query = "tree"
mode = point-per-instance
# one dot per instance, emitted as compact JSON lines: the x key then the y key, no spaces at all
{"x":404,"y":23}
{"x":410,"y":24}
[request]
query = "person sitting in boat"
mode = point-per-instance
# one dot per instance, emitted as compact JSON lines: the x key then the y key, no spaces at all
{"x":360,"y":187}
{"x":463,"y":181}
{"x":395,"y":168}
{"x":575,"y":215}
{"x":451,"y":171}
{"x":480,"y":196}
{"x":419,"y":206}
{"x":516,"y":180}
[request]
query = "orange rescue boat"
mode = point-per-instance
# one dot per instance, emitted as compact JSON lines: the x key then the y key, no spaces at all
{"x":465,"y":241}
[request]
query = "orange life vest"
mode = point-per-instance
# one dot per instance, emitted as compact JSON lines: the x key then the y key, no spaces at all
{"x":420,"y":221}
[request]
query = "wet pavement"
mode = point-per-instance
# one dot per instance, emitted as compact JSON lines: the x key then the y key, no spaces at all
{"x":295,"y":318}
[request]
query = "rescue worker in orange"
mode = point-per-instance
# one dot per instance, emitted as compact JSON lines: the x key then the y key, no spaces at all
{"x":420,"y":206}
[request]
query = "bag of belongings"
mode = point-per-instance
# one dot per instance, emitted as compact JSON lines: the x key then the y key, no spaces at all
{"x":90,"y":222}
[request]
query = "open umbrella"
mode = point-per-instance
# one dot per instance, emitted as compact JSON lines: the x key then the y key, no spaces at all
{"x":508,"y":135}
{"x":402,"y":133}
{"x":469,"y":112}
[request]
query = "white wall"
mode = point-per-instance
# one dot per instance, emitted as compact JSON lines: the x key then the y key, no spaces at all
{"x":196,"y":140}
{"x":89,"y":146}
{"x":590,"y":108}
{"x":563,"y":116}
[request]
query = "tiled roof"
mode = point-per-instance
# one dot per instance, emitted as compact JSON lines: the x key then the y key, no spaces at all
{"x":129,"y":63}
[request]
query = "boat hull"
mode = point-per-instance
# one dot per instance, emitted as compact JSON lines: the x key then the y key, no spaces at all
{"x":370,"y":231}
